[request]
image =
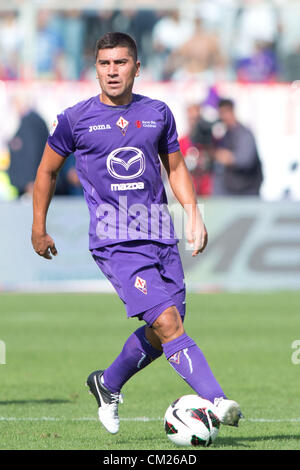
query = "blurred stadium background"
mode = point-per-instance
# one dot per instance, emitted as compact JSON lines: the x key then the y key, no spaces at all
{"x":193,"y":52}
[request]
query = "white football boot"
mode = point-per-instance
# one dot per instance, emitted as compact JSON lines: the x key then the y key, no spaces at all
{"x":228,"y":411}
{"x":107,"y":402}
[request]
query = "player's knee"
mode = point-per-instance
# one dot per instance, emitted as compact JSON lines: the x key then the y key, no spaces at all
{"x":168,"y":325}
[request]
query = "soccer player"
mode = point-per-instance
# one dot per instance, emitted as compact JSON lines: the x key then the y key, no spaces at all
{"x":117,"y":138}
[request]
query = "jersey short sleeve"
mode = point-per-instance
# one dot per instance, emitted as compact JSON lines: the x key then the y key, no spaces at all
{"x":61,"y":137}
{"x":168,"y":142}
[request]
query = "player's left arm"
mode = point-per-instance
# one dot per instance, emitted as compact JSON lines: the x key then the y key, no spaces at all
{"x":183,"y":188}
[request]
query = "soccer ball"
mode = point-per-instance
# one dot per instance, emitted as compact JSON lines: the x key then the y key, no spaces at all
{"x":191,"y":421}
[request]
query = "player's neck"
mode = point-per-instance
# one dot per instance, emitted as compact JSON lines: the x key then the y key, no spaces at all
{"x":115,"y":101}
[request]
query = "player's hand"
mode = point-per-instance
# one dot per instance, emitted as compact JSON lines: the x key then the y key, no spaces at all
{"x":196,"y":234}
{"x":43,"y":245}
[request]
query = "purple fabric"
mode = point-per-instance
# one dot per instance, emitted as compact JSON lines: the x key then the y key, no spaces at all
{"x":177,"y":344}
{"x":189,"y":362}
{"x":153,"y":313}
{"x":116,"y":150}
{"x":136,"y":354}
{"x":145,"y":275}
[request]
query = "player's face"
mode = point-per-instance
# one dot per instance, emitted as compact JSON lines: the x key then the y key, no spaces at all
{"x":116,"y":71}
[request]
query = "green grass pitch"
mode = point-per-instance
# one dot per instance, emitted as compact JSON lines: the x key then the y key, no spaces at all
{"x":53,"y":341}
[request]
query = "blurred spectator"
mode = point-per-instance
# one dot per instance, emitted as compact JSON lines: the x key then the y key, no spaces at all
{"x":255,"y":36}
{"x":7,"y":190}
{"x":139,"y":24}
{"x":198,"y":57}
{"x":169,"y":33}
{"x":68,"y":183}
{"x":72,"y":37}
{"x":238,"y":168}
{"x":26,"y":147}
{"x":96,"y":24}
{"x":144,"y":23}
{"x":196,"y":147}
{"x":289,"y":43}
{"x":263,"y":66}
{"x":10,"y":46}
{"x":251,"y":40}
{"x":49,"y":45}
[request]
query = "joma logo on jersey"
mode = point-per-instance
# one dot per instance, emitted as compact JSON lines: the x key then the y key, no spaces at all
{"x":99,"y":127}
{"x":126,"y":186}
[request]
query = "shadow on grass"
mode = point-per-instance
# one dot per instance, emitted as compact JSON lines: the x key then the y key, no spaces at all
{"x":43,"y":401}
{"x":247,"y":441}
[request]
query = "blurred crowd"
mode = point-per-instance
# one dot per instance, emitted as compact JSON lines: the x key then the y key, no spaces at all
{"x":22,"y":154}
{"x":246,"y":41}
{"x":220,"y":152}
{"x":249,"y":40}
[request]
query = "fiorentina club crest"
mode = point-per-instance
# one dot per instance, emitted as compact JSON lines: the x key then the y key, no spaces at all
{"x":122,"y":124}
{"x":175,"y":358}
{"x":141,"y":284}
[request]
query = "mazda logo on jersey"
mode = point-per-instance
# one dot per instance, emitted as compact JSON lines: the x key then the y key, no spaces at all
{"x":126,"y":163}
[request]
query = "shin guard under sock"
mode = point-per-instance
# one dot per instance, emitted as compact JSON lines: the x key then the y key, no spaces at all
{"x":189,"y":362}
{"x":136,"y":354}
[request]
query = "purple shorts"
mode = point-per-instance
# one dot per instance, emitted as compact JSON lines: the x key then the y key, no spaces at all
{"x":148,"y":276}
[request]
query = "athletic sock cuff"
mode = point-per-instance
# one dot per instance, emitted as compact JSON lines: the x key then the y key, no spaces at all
{"x":146,"y":346}
{"x":177,"y":344}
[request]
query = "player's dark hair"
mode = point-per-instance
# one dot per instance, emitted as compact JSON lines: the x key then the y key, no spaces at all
{"x":116,"y":39}
{"x":226,"y":102}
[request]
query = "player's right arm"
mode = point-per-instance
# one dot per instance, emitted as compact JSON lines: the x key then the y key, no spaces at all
{"x":43,"y":191}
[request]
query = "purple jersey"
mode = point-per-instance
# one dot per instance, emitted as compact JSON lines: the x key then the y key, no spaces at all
{"x":116,"y":150}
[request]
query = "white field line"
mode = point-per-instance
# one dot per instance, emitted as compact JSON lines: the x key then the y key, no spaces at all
{"x":134,"y":419}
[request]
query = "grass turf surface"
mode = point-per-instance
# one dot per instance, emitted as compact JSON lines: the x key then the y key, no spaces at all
{"x":53,"y":341}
